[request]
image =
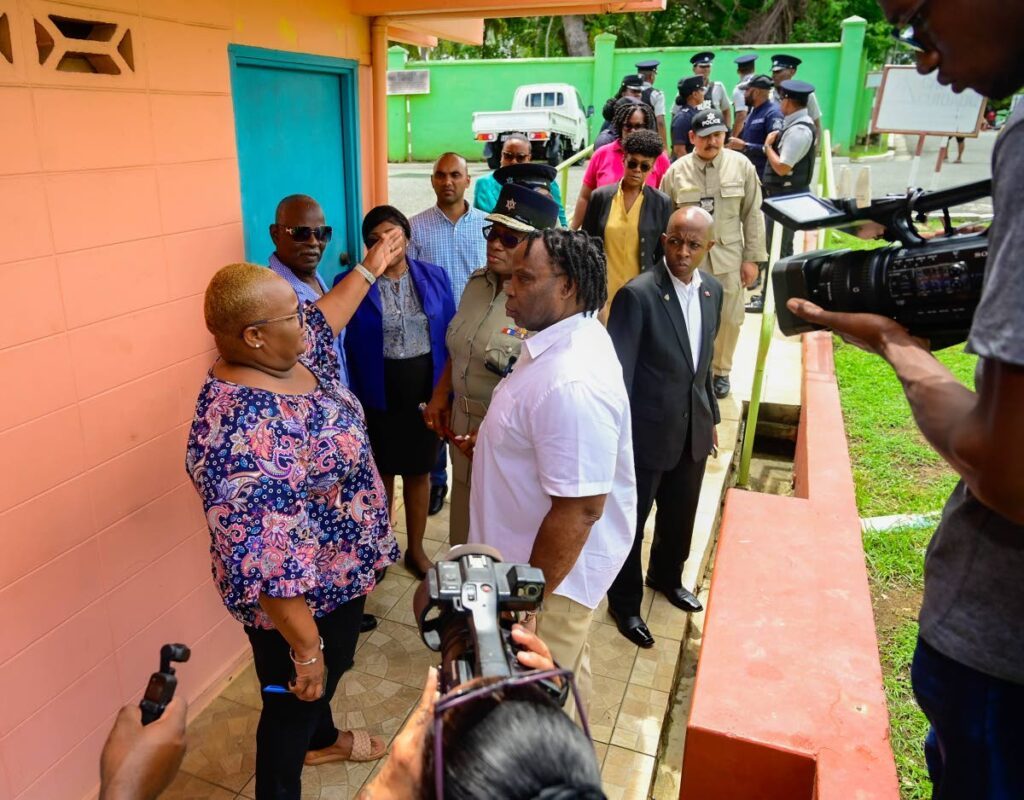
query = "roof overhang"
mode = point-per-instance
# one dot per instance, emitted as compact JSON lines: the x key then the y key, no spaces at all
{"x":484,"y":9}
{"x":424,"y":31}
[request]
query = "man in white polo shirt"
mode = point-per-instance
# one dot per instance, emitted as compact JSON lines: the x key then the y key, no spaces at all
{"x":553,"y":479}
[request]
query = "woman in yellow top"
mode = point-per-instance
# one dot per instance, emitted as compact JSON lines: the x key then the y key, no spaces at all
{"x":630,"y":216}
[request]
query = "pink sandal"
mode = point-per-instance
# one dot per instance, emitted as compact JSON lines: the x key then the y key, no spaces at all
{"x":364,"y":748}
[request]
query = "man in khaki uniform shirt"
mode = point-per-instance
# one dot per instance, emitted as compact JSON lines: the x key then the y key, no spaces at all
{"x":725,"y":184}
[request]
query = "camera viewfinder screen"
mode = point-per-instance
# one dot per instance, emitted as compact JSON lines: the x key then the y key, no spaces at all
{"x":803,"y":208}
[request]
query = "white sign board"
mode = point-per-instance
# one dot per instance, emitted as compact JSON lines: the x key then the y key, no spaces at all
{"x":408,"y":81}
{"x":909,"y":102}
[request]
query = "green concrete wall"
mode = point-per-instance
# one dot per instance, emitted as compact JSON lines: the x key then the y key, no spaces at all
{"x":442,"y":120}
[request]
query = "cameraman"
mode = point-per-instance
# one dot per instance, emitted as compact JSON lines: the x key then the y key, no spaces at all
{"x":518,"y":745}
{"x":968,"y":670}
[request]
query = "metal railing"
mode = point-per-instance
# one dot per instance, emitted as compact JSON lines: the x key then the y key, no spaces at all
{"x":826,"y":179}
{"x":563,"y":173}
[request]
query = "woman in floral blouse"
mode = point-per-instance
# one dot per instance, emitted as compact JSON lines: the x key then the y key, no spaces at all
{"x":280,"y":456}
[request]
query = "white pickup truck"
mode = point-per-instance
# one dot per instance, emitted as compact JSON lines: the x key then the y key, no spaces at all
{"x":551,"y":115}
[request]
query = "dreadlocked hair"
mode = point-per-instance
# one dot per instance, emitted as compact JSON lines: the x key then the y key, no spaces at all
{"x":581,"y":258}
{"x":626,"y":110}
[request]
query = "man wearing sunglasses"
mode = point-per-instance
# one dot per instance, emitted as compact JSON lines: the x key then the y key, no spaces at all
{"x":300,"y":237}
{"x":968,"y":669}
{"x":515,"y":150}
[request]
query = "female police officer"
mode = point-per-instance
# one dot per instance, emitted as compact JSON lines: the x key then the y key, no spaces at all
{"x":483,"y":343}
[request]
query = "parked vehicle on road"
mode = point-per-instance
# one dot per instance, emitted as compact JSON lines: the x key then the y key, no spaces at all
{"x":551,"y":115}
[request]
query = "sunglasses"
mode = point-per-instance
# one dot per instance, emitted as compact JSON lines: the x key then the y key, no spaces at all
{"x":299,"y":314}
{"x":907,"y":31}
{"x":643,"y":166}
{"x":508,"y":240}
{"x":546,"y":678}
{"x":519,"y":158}
{"x":301,"y":233}
{"x":626,"y":126}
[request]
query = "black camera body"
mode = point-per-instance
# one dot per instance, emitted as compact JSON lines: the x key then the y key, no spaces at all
{"x":460,"y":609}
{"x":930,"y":286}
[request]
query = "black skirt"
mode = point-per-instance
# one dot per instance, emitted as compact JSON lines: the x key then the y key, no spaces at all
{"x":402,"y":444}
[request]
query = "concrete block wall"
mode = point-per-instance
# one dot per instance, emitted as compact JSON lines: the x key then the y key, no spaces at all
{"x":119,"y":197}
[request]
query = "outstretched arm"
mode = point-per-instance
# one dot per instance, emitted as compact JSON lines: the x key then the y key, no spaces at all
{"x":339,"y":304}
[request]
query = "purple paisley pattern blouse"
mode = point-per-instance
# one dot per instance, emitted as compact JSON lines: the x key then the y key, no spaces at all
{"x":292,"y":496}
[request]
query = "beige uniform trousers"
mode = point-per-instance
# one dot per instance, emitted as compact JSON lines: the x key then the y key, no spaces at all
{"x":564,"y":626}
{"x":733,"y":313}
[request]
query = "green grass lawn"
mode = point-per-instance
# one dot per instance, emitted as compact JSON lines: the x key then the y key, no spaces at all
{"x":895,"y":472}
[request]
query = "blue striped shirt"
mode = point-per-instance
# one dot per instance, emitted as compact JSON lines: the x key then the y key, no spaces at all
{"x":459,"y":248}
{"x":305,"y":293}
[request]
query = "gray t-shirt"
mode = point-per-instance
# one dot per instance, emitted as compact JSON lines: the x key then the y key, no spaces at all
{"x":973,"y":608}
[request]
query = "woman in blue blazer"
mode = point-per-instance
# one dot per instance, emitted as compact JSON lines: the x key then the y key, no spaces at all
{"x":396,"y":354}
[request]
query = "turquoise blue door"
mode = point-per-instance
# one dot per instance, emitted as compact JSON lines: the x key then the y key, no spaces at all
{"x":297,"y":128}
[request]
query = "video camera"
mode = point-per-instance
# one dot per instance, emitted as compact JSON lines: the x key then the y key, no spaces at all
{"x":460,"y":607}
{"x":930,"y":286}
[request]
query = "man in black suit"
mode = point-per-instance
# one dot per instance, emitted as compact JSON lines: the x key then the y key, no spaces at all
{"x":663,"y":324}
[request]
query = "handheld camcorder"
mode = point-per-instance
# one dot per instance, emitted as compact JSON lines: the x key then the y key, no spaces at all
{"x":931,"y":286}
{"x":460,"y":608}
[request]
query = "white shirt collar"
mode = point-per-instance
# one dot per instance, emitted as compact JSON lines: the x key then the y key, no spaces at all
{"x":542,"y":340}
{"x":690,"y":287}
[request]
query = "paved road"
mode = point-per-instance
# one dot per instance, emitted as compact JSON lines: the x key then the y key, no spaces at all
{"x":410,"y":191}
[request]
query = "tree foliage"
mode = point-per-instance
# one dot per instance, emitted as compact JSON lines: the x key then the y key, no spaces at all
{"x":686,"y":23}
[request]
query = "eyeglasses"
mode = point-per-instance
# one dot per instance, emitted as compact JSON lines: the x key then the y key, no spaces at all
{"x":456,"y":698}
{"x":508,"y":240}
{"x":643,"y":166}
{"x":301,"y":233}
{"x":299,"y":313}
{"x":907,"y":31}
{"x":519,"y":158}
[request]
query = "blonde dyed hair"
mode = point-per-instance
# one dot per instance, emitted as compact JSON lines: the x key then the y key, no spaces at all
{"x":236,"y":297}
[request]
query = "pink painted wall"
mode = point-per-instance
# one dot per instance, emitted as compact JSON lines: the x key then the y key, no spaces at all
{"x":119,"y":197}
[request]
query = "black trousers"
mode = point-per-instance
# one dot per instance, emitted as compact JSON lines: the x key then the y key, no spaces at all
{"x":677,"y":492}
{"x":288,"y":726}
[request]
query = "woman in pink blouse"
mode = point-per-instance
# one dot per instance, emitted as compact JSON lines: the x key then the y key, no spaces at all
{"x":606,"y":165}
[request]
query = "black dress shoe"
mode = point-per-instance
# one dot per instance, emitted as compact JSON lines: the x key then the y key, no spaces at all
{"x":679,"y":597}
{"x":368,"y":623}
{"x":755,"y":305}
{"x":633,"y":628}
{"x":437,"y":495}
{"x":721,"y":385}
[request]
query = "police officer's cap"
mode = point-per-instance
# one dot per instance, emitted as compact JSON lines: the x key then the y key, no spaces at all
{"x":798,"y":90}
{"x":647,"y":66}
{"x":707,"y":122}
{"x":633,"y":82}
{"x":782,"y":61}
{"x":747,"y":60}
{"x":688,"y":86}
{"x":702,"y":58}
{"x":761,"y":82}
{"x":522,"y":209}
{"x":531,"y":173}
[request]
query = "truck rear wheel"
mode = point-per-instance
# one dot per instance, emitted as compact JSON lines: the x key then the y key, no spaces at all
{"x":554,"y":154}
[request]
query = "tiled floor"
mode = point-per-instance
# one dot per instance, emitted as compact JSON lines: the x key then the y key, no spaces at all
{"x":631,"y":693}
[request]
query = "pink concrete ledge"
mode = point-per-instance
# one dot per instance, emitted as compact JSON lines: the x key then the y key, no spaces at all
{"x":788,"y":701}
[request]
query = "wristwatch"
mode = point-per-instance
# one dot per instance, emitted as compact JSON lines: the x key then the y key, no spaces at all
{"x":370,"y":277}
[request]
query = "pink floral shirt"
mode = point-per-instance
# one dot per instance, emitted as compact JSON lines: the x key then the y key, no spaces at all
{"x":292,"y":496}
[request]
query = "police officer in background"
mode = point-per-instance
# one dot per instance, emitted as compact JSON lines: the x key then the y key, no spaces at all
{"x":715,"y":95}
{"x":725,"y":184}
{"x":764,"y":117}
{"x":690,"y":101}
{"x":655,"y":98}
{"x":783,"y":69}
{"x":790,"y":152}
{"x":745,"y":71}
